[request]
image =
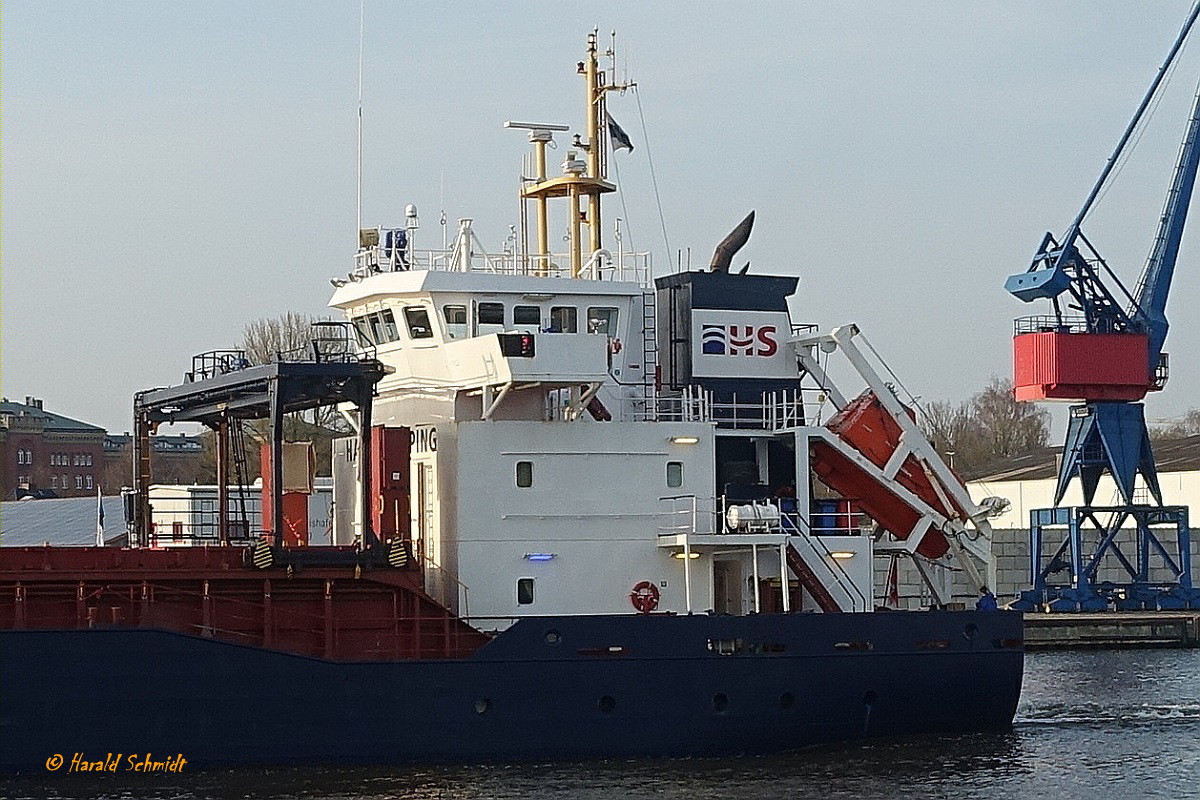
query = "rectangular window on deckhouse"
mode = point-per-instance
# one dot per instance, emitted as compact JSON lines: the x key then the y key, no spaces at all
{"x":456,"y":321}
{"x":564,"y":319}
{"x":390,"y":332}
{"x":602,"y":320}
{"x":524,"y":474}
{"x":489,"y":318}
{"x":363,"y":331}
{"x":527,"y":317}
{"x":674,"y":474}
{"x":417,"y":319}
{"x":525,"y":591}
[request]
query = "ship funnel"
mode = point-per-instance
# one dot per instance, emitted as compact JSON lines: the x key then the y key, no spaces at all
{"x":723,"y":255}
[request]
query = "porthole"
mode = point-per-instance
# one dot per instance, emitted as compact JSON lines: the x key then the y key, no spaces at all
{"x":970,"y":630}
{"x":483,"y":705}
{"x":786,"y":700}
{"x":606,"y":704}
{"x":553,"y":637}
{"x":720,"y":702}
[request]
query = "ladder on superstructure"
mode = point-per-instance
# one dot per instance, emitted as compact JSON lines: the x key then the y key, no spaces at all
{"x":649,"y":355}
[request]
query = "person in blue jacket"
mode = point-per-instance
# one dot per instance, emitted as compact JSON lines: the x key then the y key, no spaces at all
{"x":986,"y":601}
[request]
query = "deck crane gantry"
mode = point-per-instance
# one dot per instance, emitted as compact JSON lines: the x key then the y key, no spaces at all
{"x":1104,"y":348}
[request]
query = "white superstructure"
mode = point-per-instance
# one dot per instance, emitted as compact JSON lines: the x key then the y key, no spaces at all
{"x":557,"y":467}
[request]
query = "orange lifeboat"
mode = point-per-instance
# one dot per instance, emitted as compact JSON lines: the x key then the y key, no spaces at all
{"x":866,"y":426}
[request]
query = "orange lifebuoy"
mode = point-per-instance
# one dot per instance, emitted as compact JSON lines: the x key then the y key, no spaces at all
{"x":644,"y":597}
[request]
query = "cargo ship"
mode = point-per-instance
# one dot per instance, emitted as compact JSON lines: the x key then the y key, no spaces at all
{"x":580,"y":511}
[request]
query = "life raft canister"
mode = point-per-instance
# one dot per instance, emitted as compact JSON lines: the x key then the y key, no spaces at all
{"x":644,"y":597}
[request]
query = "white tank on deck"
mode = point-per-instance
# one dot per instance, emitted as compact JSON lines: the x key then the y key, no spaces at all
{"x":752,"y":517}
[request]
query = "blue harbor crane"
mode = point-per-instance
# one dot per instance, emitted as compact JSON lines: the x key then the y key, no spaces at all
{"x":1103,"y":345}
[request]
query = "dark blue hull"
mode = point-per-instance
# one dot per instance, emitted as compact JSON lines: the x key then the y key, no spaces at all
{"x":548,"y":688}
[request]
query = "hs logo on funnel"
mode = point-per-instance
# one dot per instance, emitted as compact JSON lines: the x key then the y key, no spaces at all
{"x":738,"y":340}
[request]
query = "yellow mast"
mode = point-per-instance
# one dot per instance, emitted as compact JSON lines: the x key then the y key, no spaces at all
{"x":594,"y":97}
{"x":580,"y":179}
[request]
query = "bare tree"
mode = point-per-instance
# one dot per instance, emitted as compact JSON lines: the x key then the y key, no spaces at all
{"x":1187,"y":425}
{"x":945,"y":424}
{"x":1005,"y":427}
{"x":289,"y":337}
{"x":991,"y":425}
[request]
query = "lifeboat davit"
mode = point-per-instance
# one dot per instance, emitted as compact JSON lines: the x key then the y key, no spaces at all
{"x":866,"y":425}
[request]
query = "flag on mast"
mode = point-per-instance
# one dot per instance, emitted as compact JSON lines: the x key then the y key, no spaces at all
{"x":619,"y":138}
{"x":99,"y":519}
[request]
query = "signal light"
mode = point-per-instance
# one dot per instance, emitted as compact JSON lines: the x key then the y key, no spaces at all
{"x":517,"y":345}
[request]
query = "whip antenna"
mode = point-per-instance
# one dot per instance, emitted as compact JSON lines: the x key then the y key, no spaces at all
{"x":358,"y":147}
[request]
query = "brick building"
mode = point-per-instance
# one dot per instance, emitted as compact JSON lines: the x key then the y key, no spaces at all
{"x":46,"y":454}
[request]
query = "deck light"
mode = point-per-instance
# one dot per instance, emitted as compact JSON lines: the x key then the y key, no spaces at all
{"x":840,"y":554}
{"x":692,"y":554}
{"x":540,"y":556}
{"x":684,"y":439}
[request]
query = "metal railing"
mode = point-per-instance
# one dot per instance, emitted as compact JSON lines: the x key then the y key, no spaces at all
{"x":632,"y":267}
{"x":685,"y":516}
{"x":1050,"y":324}
{"x":771,"y":411}
{"x":688,"y":517}
{"x":212,"y":363}
{"x":234,"y":617}
{"x":169,"y":529}
{"x":446,"y":589}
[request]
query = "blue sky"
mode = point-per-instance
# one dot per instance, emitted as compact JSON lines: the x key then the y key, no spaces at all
{"x":173,"y":171}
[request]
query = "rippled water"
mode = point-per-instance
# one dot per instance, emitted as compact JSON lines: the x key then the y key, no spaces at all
{"x":1090,"y":725}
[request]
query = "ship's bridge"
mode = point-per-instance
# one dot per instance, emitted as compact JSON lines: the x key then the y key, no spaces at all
{"x":492,"y":333}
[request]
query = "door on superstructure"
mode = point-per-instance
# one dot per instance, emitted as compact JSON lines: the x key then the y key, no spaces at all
{"x":727,"y":587}
{"x":425,"y":511}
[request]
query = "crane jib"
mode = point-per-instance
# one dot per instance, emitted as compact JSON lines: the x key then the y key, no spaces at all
{"x":1072,"y":266}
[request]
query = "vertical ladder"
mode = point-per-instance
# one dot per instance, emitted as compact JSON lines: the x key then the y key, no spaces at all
{"x":241,"y":474}
{"x":649,"y":355}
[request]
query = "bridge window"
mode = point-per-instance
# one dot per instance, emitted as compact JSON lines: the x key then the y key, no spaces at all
{"x":564,"y":319}
{"x":530,"y":316}
{"x":524,"y":474}
{"x":602,"y":320}
{"x":377,"y":334}
{"x":456,"y":321}
{"x":525,"y":591}
{"x":491,"y":313}
{"x":417,"y":319}
{"x":489,"y":318}
{"x":390,"y":332}
{"x":674,"y":474}
{"x":363,"y":331}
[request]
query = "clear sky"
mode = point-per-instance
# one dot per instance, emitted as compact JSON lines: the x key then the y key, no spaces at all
{"x":172,"y":171}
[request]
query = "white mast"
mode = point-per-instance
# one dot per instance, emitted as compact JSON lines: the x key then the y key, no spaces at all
{"x":358,"y":228}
